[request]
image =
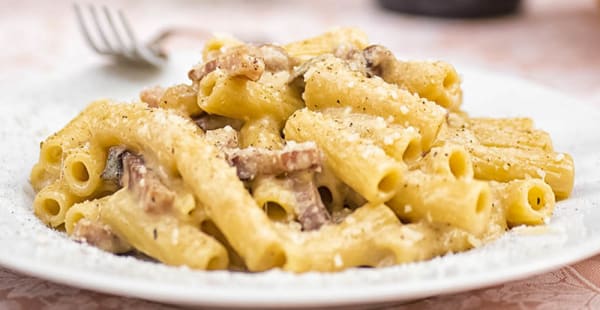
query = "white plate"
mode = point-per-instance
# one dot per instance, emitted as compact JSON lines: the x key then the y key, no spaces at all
{"x":33,"y":108}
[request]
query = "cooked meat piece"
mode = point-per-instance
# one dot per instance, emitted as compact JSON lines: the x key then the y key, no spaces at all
{"x":154,"y":196}
{"x":127,"y":169}
{"x":211,"y":122}
{"x":371,"y":61}
{"x":377,"y":59}
{"x":252,"y":161}
{"x":310,"y":209}
{"x":113,"y":171}
{"x":275,"y":58}
{"x":296,"y":78}
{"x":223,"y":138}
{"x":236,"y":62}
{"x":100,"y":236}
{"x":249,"y":61}
{"x":354,"y":56}
{"x":152,"y":95}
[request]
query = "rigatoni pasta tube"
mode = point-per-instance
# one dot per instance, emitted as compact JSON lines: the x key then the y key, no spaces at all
{"x":182,"y":98}
{"x":275,"y":196}
{"x":82,"y":168}
{"x":448,"y":160}
{"x":236,"y":214}
{"x":332,"y":190}
{"x":490,"y":134}
{"x":89,"y":210}
{"x":370,"y":236}
{"x":515,"y":123}
{"x":72,"y":135}
{"x":217,"y":44}
{"x":526,"y":202}
{"x":326,"y":43}
{"x":154,"y":133}
{"x":441,"y":199}
{"x":162,"y":237}
{"x":52,"y":203}
{"x":403,"y":144}
{"x":437,"y":81}
{"x":331,"y":84}
{"x":177,"y":144}
{"x":438,"y":239}
{"x":360,"y":164}
{"x":506,"y":164}
{"x":262,"y":132}
{"x":497,"y":225}
{"x":40,"y":177}
{"x":82,"y":223}
{"x":239,"y":98}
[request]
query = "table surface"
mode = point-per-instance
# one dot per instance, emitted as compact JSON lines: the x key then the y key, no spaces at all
{"x":555,"y":43}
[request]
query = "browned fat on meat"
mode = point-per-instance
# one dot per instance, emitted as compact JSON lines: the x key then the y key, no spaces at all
{"x":311,"y":211}
{"x":100,"y":236}
{"x":371,"y":61}
{"x":247,"y":61}
{"x":236,"y":63}
{"x":252,"y":161}
{"x":275,"y":58}
{"x":152,"y":95}
{"x":378,"y":59}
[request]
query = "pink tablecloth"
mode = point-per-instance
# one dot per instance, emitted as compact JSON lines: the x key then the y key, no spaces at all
{"x":551,"y":42}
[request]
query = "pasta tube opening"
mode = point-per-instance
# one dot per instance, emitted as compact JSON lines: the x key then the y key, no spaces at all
{"x":448,"y":160}
{"x":235,"y":261}
{"x":413,"y":150}
{"x":459,"y":165}
{"x":437,"y":199}
{"x":389,"y":183}
{"x":536,"y":199}
{"x":82,"y":169}
{"x":52,"y":202}
{"x":51,"y":153}
{"x":527,"y":202}
{"x":484,"y":201}
{"x":51,"y":206}
{"x":326,"y":195}
{"x":80,"y":172}
{"x":276,"y":212}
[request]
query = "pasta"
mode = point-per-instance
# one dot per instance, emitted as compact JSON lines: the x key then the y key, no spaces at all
{"x":330,"y":83}
{"x":318,"y":155}
{"x":359,"y":163}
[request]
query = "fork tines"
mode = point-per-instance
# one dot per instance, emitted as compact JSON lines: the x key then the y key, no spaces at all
{"x":108,"y":32}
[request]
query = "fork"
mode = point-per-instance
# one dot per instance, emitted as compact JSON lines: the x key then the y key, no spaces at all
{"x":113,"y":36}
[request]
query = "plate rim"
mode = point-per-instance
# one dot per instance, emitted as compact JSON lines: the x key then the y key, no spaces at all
{"x":351,"y":295}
